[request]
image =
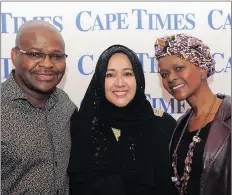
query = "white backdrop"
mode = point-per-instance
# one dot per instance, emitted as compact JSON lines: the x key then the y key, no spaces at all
{"x":89,"y":28}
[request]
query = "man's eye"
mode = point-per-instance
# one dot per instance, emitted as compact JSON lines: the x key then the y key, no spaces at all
{"x":35,"y":54}
{"x":57,"y":56}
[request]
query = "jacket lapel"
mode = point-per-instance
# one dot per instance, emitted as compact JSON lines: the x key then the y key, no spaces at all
{"x":219,"y":133}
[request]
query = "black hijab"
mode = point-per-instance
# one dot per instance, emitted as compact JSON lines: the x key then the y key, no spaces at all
{"x":94,"y":149}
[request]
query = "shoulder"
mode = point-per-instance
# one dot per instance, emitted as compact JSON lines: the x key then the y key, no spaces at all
{"x":227,"y":101}
{"x":158,"y":112}
{"x":224,"y":111}
{"x":164,"y":124}
{"x":64,"y":100}
{"x":60,"y":93}
{"x":8,"y":92}
{"x":5,"y":89}
{"x":62,"y":96}
{"x":164,"y":116}
{"x":3,"y":84}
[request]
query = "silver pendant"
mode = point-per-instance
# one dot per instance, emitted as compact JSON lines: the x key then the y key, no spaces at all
{"x":174,"y":179}
{"x":196,"y":139}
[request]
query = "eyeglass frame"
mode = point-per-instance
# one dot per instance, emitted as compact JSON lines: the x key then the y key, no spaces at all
{"x":44,"y":55}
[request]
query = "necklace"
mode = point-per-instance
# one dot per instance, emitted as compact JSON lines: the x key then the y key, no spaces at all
{"x":181,"y":183}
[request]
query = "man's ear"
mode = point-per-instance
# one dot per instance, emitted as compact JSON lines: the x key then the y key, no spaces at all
{"x":14,"y":56}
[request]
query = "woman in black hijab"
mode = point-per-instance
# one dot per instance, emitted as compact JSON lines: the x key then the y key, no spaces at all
{"x":119,"y":144}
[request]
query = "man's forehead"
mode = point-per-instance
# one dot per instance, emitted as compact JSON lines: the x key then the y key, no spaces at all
{"x":42,"y":43}
{"x":32,"y":31}
{"x":37,"y":24}
{"x":35,"y":31}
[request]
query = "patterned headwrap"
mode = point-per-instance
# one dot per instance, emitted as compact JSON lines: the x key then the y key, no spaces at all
{"x":188,"y":48}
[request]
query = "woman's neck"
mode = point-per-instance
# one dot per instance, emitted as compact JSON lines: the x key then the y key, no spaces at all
{"x":201,"y":101}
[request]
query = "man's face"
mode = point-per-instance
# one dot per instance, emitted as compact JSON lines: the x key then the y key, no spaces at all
{"x":35,"y":73}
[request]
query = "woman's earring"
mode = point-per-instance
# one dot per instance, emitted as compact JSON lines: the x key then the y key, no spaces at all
{"x":203,"y":77}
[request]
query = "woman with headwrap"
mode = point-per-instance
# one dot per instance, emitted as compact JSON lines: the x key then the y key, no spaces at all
{"x":200,"y":148}
{"x":119,"y":144}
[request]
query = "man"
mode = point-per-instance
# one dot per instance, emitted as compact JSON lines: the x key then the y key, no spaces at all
{"x":35,"y":114}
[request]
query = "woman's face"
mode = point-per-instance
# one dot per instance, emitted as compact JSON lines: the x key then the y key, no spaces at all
{"x":120,"y":82}
{"x":180,"y":78}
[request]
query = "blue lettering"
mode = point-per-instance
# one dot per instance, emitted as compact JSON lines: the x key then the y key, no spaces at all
{"x":6,"y":67}
{"x":228,"y":65}
{"x":162,"y":24}
{"x":152,"y":100}
{"x":166,"y":23}
{"x":18,"y":21}
{"x":153,"y":67}
{"x":190,"y":21}
{"x":210,"y":19}
{"x":57,"y":23}
{"x":178,"y":21}
{"x":139,"y":17}
{"x":98,"y":23}
{"x":110,"y":18}
{"x":170,"y":104}
{"x":180,"y":104}
{"x":228,"y":22}
{"x":140,"y":56}
{"x":222,"y":56}
{"x":4,"y":21}
{"x":78,"y":21}
{"x":121,"y":20}
{"x":80,"y":64}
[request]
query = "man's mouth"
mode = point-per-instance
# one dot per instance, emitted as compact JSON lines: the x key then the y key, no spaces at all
{"x":45,"y":77}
